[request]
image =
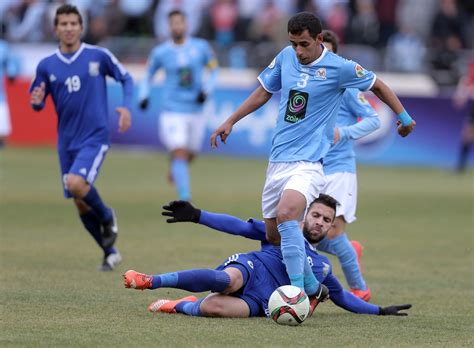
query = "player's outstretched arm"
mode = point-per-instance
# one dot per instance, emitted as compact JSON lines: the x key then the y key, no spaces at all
{"x":258,"y":97}
{"x":395,"y":310}
{"x":385,"y":94}
{"x":182,"y":211}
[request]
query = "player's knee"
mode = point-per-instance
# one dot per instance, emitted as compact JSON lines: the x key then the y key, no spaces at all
{"x":287,"y":214}
{"x":76,"y":185}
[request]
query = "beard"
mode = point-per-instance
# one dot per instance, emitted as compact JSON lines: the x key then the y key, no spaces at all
{"x":313,"y":239}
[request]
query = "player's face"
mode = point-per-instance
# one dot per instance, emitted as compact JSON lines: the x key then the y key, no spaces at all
{"x":69,"y":29}
{"x":177,"y":27}
{"x":306,"y":47}
{"x":318,"y":222}
{"x":328,"y":45}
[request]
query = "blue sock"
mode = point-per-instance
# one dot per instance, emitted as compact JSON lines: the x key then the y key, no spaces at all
{"x":311,"y":284}
{"x":293,"y":251}
{"x":92,"y":224}
{"x":93,"y":200}
{"x":190,"y":308}
{"x":342,"y":248}
{"x":194,"y":280}
{"x":180,"y":172}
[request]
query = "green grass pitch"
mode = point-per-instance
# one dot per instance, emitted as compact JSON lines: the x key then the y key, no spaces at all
{"x":416,"y":226}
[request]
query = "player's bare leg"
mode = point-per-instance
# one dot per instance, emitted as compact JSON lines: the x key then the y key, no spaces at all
{"x":224,"y":306}
{"x":179,"y":170}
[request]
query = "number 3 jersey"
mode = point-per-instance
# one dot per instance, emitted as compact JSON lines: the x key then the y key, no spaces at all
{"x":310,"y":98}
{"x":77,"y":84}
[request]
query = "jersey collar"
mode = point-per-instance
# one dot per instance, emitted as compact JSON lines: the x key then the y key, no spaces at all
{"x":314,"y":62}
{"x":73,"y":58}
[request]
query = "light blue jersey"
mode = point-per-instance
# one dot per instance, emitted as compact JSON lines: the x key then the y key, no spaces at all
{"x":356,"y":119}
{"x":77,"y":84}
{"x":8,"y":66}
{"x":310,"y":99}
{"x":184,"y":67}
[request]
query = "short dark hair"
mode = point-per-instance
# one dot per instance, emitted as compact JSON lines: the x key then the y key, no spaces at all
{"x":326,"y":200}
{"x":331,"y":37}
{"x":176,"y":13}
{"x":67,"y":9}
{"x":304,"y":21}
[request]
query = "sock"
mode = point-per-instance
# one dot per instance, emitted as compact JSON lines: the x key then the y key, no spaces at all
{"x":194,"y":280}
{"x":180,"y":172}
{"x":92,"y":224}
{"x":293,"y":251}
{"x":93,"y":200}
{"x":342,"y":248}
{"x":311,"y":284}
{"x":190,"y":308}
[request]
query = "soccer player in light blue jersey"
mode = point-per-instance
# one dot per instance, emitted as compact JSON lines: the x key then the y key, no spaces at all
{"x":182,"y":124}
{"x":75,"y":76}
{"x":242,"y":285}
{"x":356,"y":118}
{"x":9,"y":67}
{"x":312,"y":82}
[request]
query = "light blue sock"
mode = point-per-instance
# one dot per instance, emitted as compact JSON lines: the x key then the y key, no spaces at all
{"x":180,"y":172}
{"x":311,"y":284}
{"x":190,"y":308}
{"x":343,"y":249}
{"x":293,"y":251}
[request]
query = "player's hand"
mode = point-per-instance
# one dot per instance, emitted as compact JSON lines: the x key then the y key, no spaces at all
{"x":403,"y":131}
{"x":223,"y":131}
{"x":181,"y":211}
{"x":201,"y":98}
{"x":125,"y":119}
{"x":394,"y":310}
{"x":37,"y":95}
{"x":144,"y":103}
{"x":322,"y":294}
{"x":337,"y":135}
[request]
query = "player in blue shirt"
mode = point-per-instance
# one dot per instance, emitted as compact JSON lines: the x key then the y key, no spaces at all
{"x":312,"y":82}
{"x":182,"y":124}
{"x":356,"y":118}
{"x":244,"y":282}
{"x":75,"y":76}
{"x":9,"y":67}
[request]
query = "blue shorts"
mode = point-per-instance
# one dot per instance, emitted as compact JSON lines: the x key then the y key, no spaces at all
{"x":85,"y":162}
{"x":260,"y":284}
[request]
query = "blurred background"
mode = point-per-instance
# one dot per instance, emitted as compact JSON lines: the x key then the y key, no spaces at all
{"x":420,"y":48}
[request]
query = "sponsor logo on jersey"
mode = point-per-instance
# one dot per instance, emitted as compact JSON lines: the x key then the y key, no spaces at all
{"x":320,"y":74}
{"x":296,"y":106}
{"x":94,"y":68}
{"x":360,"y":71}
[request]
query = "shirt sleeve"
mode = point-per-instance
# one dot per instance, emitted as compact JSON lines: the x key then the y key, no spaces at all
{"x":115,"y":69}
{"x":353,"y":75}
{"x":270,"y":77}
{"x":361,"y":109}
{"x":252,"y":229}
{"x":346,"y":300}
{"x":41,"y":76}
{"x":153,"y":64}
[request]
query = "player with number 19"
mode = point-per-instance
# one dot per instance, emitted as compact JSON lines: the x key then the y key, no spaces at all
{"x":75,"y":76}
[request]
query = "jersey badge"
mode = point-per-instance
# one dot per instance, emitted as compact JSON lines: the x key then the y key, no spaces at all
{"x":360,"y":71}
{"x":361,"y":98}
{"x":94,"y":68}
{"x":320,"y":74}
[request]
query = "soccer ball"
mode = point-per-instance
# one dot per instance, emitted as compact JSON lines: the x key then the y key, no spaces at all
{"x":288,"y":305}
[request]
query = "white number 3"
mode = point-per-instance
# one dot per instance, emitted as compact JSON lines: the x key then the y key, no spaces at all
{"x":304,"y":80}
{"x":73,"y":83}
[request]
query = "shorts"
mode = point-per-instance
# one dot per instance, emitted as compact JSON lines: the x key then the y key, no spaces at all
{"x":85,"y":162}
{"x":302,"y":176}
{"x":5,"y":126}
{"x":182,"y":130}
{"x":343,"y":188}
{"x":260,"y":284}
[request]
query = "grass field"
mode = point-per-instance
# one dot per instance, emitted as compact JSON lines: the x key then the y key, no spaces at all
{"x":416,"y":225}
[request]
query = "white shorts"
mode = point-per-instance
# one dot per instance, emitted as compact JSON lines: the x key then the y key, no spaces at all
{"x":343,"y":187}
{"x":304,"y":177}
{"x":182,"y":130}
{"x":5,"y":126}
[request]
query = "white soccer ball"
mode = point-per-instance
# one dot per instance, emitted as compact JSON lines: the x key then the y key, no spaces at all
{"x":288,"y":305}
